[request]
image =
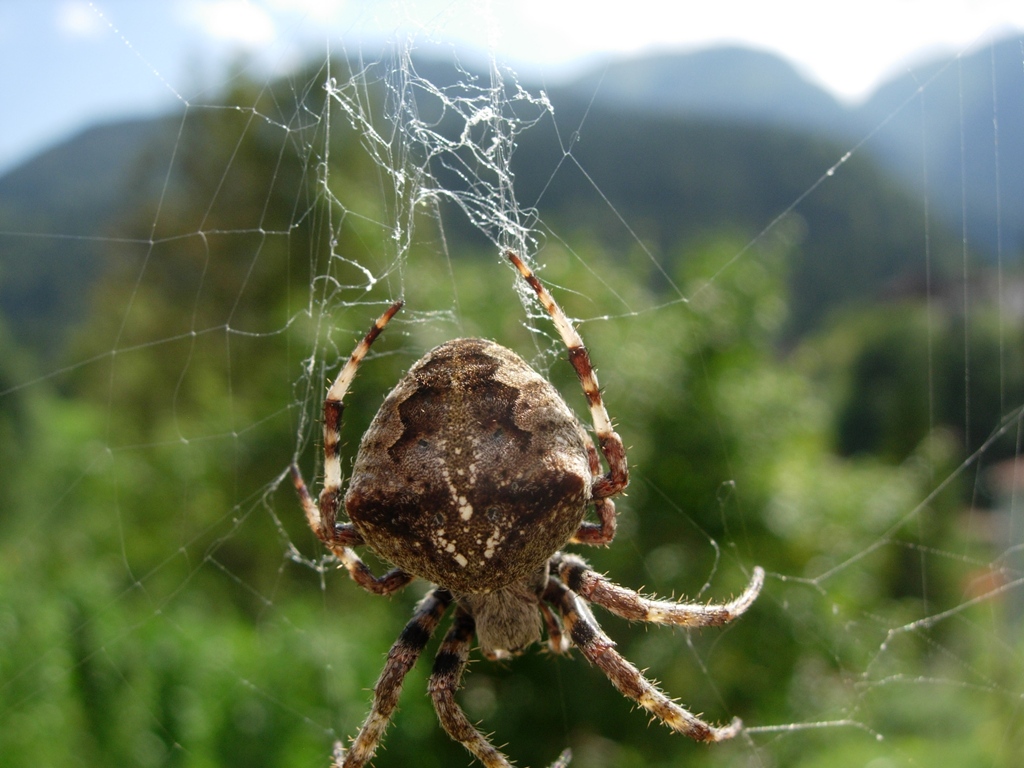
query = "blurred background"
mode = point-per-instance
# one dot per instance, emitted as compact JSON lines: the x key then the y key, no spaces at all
{"x":792,"y":239}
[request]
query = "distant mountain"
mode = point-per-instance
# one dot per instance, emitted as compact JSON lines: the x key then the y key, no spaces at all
{"x":947,"y":128}
{"x":53,"y":209}
{"x":727,"y":83}
{"x":683,"y":181}
{"x":679,"y":145}
{"x":955,"y":129}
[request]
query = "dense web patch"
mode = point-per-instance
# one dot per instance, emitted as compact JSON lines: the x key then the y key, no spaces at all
{"x":164,"y":601}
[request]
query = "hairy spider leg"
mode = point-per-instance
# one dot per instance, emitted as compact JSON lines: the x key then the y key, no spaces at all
{"x":401,"y":658}
{"x":595,"y":588}
{"x":449,"y":664}
{"x":558,"y":642}
{"x":600,"y":651}
{"x":340,"y":538}
{"x":601,"y":533}
{"x":617,"y":477}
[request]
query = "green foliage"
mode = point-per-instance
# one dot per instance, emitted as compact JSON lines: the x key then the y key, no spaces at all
{"x":911,"y":367}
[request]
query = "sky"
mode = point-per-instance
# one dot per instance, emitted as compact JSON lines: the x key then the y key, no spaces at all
{"x":67,"y":64}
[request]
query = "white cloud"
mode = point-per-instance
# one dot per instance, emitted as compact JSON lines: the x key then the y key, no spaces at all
{"x":78,"y":18}
{"x":236,"y":22}
{"x":324,"y":11}
{"x":849,"y":46}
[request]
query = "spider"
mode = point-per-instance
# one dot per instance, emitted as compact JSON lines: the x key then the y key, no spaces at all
{"x":473,"y":475}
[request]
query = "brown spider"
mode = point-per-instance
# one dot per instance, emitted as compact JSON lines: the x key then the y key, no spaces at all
{"x":473,"y":475}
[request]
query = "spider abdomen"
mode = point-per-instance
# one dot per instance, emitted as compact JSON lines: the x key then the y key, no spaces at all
{"x":473,"y":472}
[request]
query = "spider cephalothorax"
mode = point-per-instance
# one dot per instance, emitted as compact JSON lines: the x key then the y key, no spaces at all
{"x":473,"y":475}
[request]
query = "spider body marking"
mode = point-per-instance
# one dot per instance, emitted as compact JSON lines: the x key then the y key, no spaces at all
{"x":473,"y":475}
{"x":473,"y":472}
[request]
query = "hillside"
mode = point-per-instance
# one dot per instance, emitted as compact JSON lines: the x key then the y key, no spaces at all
{"x":679,"y":145}
{"x":726,"y":83}
{"x":965,"y":111}
{"x":54,"y":207}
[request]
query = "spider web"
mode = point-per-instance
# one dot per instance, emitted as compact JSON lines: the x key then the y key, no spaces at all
{"x":164,"y":603}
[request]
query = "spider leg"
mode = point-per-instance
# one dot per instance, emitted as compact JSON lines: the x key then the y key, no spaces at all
{"x":557,"y":643}
{"x":600,"y":651}
{"x":598,"y":534}
{"x":601,"y":533}
{"x":340,"y":538}
{"x":401,"y":658}
{"x":333,"y":410}
{"x":617,"y":477}
{"x":449,"y":664}
{"x":322,"y":516}
{"x":595,"y":588}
